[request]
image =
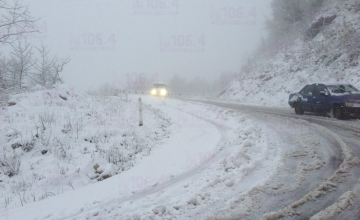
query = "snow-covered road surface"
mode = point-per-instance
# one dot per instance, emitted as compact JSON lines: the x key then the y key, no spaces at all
{"x":226,"y":162}
{"x":328,"y":190}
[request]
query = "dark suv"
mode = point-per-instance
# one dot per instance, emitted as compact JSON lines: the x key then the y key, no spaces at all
{"x":337,"y":100}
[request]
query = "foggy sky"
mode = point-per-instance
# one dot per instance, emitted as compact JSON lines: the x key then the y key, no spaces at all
{"x":117,"y":40}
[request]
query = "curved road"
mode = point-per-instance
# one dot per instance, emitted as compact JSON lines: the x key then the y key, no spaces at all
{"x":315,"y":175}
{"x":307,"y":183}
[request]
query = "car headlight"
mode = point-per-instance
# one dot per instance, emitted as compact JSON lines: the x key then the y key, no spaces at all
{"x":352,"y":104}
{"x":153,"y":92}
{"x":163,"y":92}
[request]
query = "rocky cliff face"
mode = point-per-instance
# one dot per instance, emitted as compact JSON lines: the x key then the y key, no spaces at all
{"x":328,"y":52}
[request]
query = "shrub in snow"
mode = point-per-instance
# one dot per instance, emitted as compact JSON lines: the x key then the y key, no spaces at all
{"x":19,"y":188}
{"x":62,"y":152}
{"x":125,"y":153}
{"x":16,"y":145}
{"x":10,"y":165}
{"x":115,"y":156}
{"x":106,"y":171}
{"x":28,"y":146}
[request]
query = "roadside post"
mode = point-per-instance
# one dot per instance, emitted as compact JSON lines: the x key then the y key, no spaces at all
{"x":140,"y":113}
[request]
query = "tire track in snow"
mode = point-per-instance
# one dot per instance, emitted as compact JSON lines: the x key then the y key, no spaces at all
{"x":323,"y":189}
{"x":253,"y":179}
{"x":350,"y":160}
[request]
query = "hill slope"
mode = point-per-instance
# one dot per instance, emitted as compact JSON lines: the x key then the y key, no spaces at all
{"x":328,"y":53}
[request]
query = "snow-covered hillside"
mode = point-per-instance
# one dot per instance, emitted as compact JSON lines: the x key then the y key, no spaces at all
{"x":329,"y":54}
{"x":60,"y":139}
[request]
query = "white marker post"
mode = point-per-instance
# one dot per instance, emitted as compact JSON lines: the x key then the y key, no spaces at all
{"x":140,"y":113}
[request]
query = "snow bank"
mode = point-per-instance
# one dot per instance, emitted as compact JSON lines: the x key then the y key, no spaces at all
{"x":61,"y":139}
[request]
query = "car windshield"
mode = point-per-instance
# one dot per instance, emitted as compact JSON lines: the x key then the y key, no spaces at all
{"x":342,"y":88}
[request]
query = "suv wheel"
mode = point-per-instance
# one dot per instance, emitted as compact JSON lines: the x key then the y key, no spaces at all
{"x":298,"y":109}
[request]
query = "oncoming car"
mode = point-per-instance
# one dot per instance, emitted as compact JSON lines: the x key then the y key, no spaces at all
{"x":337,"y":100}
{"x":160,"y":90}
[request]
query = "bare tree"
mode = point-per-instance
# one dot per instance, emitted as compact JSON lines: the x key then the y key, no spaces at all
{"x":3,"y":79}
{"x":42,"y":66}
{"x":21,"y":62}
{"x":47,"y":70}
{"x":3,"y":72}
{"x":15,"y":21}
{"x":58,"y":67}
{"x":18,"y":69}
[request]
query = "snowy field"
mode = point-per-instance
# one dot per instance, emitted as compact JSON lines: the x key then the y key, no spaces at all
{"x":58,"y":140}
{"x":74,"y":156}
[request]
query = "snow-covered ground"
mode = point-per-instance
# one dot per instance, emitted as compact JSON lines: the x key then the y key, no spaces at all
{"x":99,"y":164}
{"x":58,"y":140}
{"x":86,"y":157}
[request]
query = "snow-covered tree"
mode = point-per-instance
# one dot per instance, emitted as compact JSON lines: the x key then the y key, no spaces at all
{"x":21,"y":67}
{"x":15,"y":21}
{"x":21,"y":62}
{"x":47,"y":69}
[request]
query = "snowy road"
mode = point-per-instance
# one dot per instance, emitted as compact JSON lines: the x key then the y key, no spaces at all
{"x":336,"y":163}
{"x":227,"y":161}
